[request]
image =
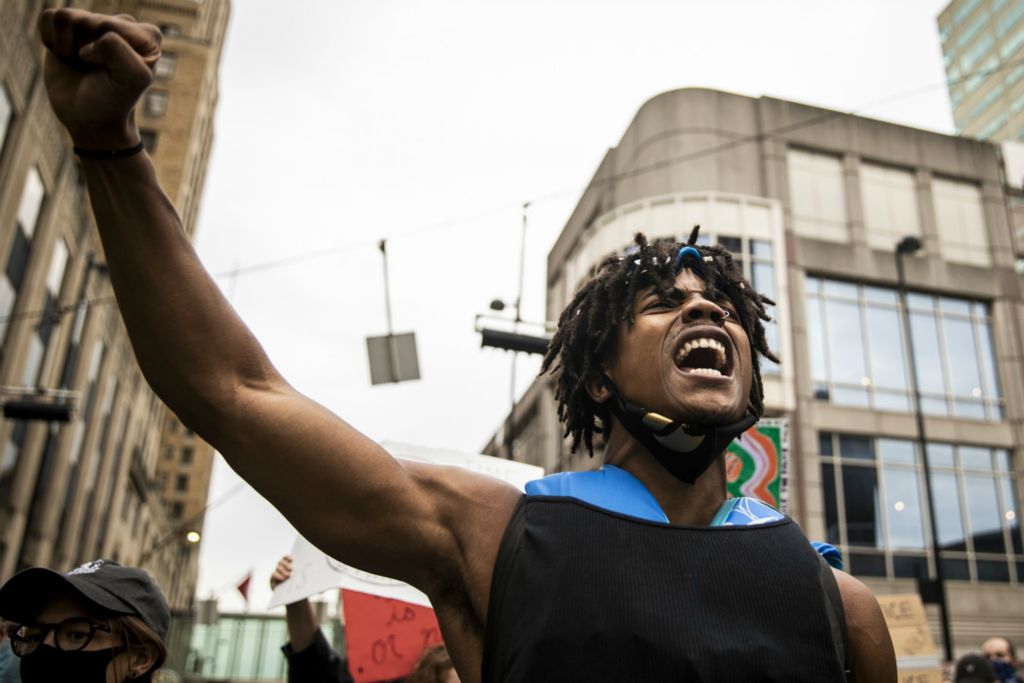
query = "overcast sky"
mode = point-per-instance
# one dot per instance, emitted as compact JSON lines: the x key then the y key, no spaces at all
{"x":430,"y":123}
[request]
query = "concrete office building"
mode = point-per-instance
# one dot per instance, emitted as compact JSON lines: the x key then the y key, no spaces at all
{"x":813,"y":203}
{"x":983,"y":50}
{"x":120,"y":479}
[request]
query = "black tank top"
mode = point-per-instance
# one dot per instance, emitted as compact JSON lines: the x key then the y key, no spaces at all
{"x":581,"y":594}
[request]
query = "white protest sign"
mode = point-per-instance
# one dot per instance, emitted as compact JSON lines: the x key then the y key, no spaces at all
{"x":314,"y":572}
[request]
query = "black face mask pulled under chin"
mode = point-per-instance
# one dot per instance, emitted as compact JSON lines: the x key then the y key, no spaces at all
{"x":684,"y":450}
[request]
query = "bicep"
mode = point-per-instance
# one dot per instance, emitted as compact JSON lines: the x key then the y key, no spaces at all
{"x":871,"y":655}
{"x":339,"y":488}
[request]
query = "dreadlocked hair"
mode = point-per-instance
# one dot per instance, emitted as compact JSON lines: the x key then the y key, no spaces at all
{"x":587,"y":327}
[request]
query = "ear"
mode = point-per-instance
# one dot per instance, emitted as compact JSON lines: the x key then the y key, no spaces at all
{"x":143,"y":658}
{"x":597,"y":389}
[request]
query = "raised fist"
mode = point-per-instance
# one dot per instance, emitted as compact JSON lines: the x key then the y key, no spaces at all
{"x":97,"y":66}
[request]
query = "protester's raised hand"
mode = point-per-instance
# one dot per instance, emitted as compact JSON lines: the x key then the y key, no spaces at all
{"x":97,"y":66}
{"x":282,"y":572}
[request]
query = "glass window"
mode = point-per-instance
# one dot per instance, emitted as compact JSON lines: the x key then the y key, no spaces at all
{"x":861,"y":498}
{"x":881,"y":506}
{"x":976,"y":51}
{"x":947,"y":511}
{"x":993,"y":126}
{"x":166,"y":65}
{"x":1014,"y":75}
{"x":9,"y":458}
{"x":1010,"y":19}
{"x":17,"y":260}
{"x":29,"y":207}
{"x":156,"y":102}
{"x":817,"y":196}
{"x":856,"y":447}
{"x":1009,"y":47}
{"x":896,"y":451}
{"x":31,"y":202}
{"x":149,"y":139}
{"x":858,"y":352}
{"x":991,"y":96}
{"x":964,"y":11}
{"x":975,"y":458}
{"x":971,"y":31}
{"x":885,"y":339}
{"x":58,"y":264}
{"x":903,"y":508}
{"x":6,"y":112}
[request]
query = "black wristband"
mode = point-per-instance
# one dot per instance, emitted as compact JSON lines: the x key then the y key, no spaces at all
{"x":109,"y":153}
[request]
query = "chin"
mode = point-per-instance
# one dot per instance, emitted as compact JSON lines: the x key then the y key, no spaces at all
{"x":711,"y":415}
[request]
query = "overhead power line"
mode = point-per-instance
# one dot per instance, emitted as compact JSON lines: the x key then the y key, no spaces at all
{"x":557,"y":194}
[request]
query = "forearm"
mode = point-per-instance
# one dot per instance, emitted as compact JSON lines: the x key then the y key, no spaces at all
{"x":302,"y":625}
{"x":190,"y":344}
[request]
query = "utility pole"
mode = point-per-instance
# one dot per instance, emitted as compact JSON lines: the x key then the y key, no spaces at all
{"x":392,"y":351}
{"x":511,"y":431}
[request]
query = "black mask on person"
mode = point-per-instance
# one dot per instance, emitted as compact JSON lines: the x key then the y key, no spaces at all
{"x":47,"y":664}
{"x":686,"y":451}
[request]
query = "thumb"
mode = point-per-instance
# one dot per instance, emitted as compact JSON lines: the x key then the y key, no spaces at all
{"x":126,"y":66}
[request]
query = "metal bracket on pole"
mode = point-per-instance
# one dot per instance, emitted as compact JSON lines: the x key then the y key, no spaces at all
{"x":395,"y":351}
{"x":392,"y":351}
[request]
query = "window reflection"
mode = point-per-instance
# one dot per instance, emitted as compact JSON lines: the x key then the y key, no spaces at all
{"x":858,"y":350}
{"x":903,"y":509}
{"x":880,"y":505}
{"x":983,"y":513}
{"x":886,"y":343}
{"x":861,"y":496}
{"x":947,"y":511}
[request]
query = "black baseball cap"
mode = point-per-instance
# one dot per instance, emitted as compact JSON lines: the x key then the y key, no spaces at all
{"x":974,"y":668}
{"x":105,"y":583}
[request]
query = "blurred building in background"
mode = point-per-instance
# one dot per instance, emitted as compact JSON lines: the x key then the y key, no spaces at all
{"x":812,"y":203}
{"x":121,"y":479}
{"x":983,"y":49}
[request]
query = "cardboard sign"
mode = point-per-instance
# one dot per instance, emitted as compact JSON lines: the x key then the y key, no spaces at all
{"x":314,"y":572}
{"x":917,"y":658}
{"x":755,"y":463}
{"x":384,"y":638}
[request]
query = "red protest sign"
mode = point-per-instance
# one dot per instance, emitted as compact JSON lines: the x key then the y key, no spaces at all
{"x":385,"y":637}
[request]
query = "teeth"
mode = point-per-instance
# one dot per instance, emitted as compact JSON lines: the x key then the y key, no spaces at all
{"x":706,"y":371}
{"x":704,"y":343}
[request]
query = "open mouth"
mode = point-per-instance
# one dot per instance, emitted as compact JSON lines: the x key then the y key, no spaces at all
{"x":704,"y":352}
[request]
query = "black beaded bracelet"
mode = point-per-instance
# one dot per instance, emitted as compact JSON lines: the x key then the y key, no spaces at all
{"x":109,"y":153}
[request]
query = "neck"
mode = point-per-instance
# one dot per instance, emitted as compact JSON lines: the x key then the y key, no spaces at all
{"x":683,"y":503}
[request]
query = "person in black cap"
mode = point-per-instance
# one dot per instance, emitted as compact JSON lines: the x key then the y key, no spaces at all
{"x":101,"y":622}
{"x":974,"y":668}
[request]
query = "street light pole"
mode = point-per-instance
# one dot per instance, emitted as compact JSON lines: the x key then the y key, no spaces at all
{"x":909,"y":245}
{"x":510,"y":433}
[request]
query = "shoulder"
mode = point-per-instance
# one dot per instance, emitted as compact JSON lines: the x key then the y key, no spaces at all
{"x":871,"y":653}
{"x":471,"y":513}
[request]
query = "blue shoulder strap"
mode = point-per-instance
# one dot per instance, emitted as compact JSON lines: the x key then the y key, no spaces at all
{"x":609,"y":488}
{"x":616,"y":490}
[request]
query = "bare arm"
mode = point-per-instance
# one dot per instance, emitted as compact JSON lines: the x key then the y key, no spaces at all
{"x":339,"y":488}
{"x":871,"y":655}
{"x":301,"y":619}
